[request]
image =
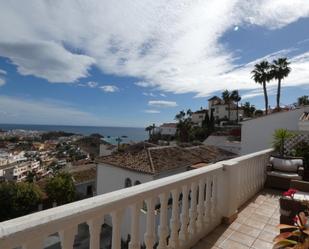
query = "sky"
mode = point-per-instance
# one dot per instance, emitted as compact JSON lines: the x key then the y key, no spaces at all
{"x":133,"y":63}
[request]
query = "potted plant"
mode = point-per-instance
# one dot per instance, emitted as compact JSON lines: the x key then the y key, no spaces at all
{"x":280,"y":136}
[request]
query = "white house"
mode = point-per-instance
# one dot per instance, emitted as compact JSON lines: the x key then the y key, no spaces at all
{"x":198,"y":117}
{"x":257,"y":133}
{"x":220,"y":109}
{"x":168,"y":129}
{"x":144,"y":162}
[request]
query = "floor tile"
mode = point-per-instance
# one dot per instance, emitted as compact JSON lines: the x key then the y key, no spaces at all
{"x":242,"y":238}
{"x":230,"y":244}
{"x":261,"y":244}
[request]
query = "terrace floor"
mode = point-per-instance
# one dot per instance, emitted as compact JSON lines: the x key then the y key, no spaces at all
{"x":255,"y":226}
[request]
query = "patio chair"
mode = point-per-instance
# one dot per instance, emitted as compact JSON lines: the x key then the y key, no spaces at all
{"x":280,"y":172}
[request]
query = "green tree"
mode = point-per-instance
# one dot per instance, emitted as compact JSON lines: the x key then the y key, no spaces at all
{"x":227,"y":97}
{"x":149,"y":129}
{"x":303,"y":100}
{"x":18,"y":199}
{"x":31,"y":176}
{"x":61,"y":189}
{"x":248,"y":109}
{"x":279,"y":70}
{"x":184,"y":125}
{"x":261,"y":75}
{"x":236,"y":98}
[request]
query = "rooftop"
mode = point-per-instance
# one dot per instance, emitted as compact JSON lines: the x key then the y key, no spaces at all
{"x":151,"y":159}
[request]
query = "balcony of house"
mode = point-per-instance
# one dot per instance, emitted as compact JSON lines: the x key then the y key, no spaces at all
{"x":180,"y":211}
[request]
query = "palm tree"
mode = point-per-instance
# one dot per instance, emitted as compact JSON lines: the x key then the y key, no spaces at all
{"x":261,"y":75}
{"x":227,"y":97}
{"x":279,"y":70}
{"x":248,"y":109}
{"x":149,"y":129}
{"x":236,"y":97}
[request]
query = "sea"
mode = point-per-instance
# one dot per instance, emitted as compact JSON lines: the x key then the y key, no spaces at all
{"x":126,"y":134}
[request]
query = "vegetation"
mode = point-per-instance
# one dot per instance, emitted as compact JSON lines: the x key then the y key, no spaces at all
{"x":184,"y":125}
{"x":61,"y":189}
{"x":18,"y":199}
{"x":279,"y":70}
{"x":149,"y":129}
{"x":55,"y":135}
{"x":279,"y":137}
{"x":302,"y":150}
{"x":249,"y":109}
{"x":90,"y":144}
{"x":236,"y":98}
{"x":303,"y":100}
{"x":261,"y":75}
{"x":227,"y":97}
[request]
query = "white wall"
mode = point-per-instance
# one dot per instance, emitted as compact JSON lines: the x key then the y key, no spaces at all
{"x":168,"y":131}
{"x":257,"y":134}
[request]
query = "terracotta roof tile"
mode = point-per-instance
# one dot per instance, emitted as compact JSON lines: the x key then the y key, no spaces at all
{"x":153,"y":160}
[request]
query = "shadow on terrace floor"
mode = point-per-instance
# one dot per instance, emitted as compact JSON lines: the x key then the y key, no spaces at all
{"x":255,"y":226}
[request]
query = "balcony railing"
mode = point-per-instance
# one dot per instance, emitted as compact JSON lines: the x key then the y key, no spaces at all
{"x":208,"y":194}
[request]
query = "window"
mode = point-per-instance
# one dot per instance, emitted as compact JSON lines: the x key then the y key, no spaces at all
{"x":137,"y":183}
{"x":127,"y":183}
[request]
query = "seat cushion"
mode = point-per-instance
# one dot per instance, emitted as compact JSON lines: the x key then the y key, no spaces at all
{"x":302,"y":196}
{"x":282,"y":174}
{"x":287,"y":165}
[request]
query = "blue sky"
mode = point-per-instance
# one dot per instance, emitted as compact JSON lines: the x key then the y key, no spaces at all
{"x":135,"y":63}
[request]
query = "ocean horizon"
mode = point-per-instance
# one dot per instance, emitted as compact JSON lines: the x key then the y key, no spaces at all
{"x":127,"y":134}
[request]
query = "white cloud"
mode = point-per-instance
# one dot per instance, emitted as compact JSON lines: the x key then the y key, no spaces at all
{"x":16,"y":110}
{"x":149,"y":94}
{"x":109,"y":88}
{"x":170,"y":45}
{"x":151,"y":111}
{"x":92,"y":84}
{"x":2,"y":80}
{"x":46,"y":60}
{"x":162,"y":103}
{"x":236,"y":28}
{"x":162,"y":95}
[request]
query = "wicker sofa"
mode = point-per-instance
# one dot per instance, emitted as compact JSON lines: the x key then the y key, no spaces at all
{"x":280,"y":171}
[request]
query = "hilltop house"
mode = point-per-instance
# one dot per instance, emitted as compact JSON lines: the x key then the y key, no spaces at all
{"x":198,"y":117}
{"x":146,"y":162}
{"x":221,"y":109}
{"x":168,"y":129}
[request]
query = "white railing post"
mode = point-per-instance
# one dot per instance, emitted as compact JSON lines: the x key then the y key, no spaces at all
{"x":163,"y":228}
{"x":135,"y":241}
{"x":67,"y":237}
{"x":200,"y":207}
{"x":193,"y":212}
{"x":207,"y":202}
{"x":116,"y":232}
{"x":214,"y":198}
{"x":149,"y":236}
{"x":174,"y":222}
{"x":95,"y":225}
{"x":183,"y":234}
{"x":35,"y":243}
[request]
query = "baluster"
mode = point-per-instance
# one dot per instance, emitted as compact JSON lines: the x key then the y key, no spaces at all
{"x":214,"y":198}
{"x":200,"y":207}
{"x":183,"y":234}
{"x":95,"y":225}
{"x":116,"y":233}
{"x":207,"y":202}
{"x":149,"y":236}
{"x":35,"y":243}
{"x":174,"y":222}
{"x":163,"y":228}
{"x":67,"y":237}
{"x":134,"y":242}
{"x":193,"y":212}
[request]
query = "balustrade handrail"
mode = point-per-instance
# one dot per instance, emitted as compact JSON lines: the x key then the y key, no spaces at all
{"x":54,"y":219}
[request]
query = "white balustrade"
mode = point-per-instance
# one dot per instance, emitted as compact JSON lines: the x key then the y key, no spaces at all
{"x":203,"y":204}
